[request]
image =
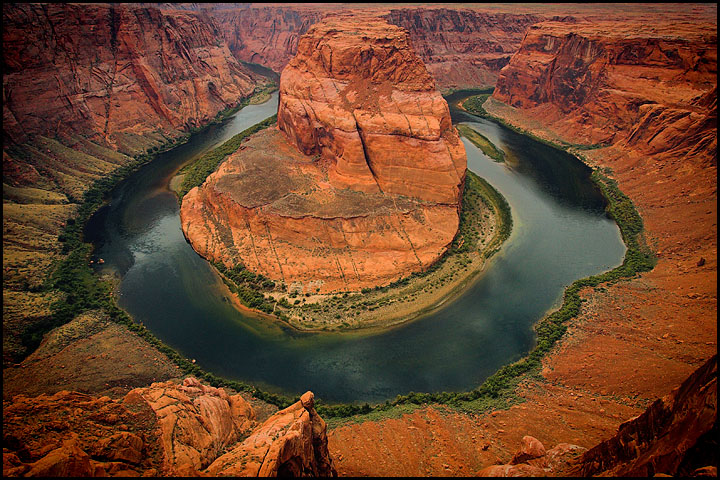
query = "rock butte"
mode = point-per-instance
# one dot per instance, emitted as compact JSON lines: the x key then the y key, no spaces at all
{"x":361,"y":183}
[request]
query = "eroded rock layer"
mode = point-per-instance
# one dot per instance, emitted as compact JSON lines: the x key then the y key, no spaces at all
{"x":609,"y":83}
{"x":167,"y":429}
{"x":358,"y":95}
{"x":463,"y":47}
{"x":274,"y":210}
{"x":113,"y":73}
{"x":363,"y":185}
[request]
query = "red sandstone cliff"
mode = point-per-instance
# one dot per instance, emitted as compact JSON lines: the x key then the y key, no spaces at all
{"x":265,"y":35}
{"x":460,"y":47}
{"x":358,"y":95}
{"x":650,"y":90}
{"x":675,"y":436}
{"x":362,"y":186}
{"x":167,"y":429}
{"x":463,"y":47}
{"x":113,"y":74}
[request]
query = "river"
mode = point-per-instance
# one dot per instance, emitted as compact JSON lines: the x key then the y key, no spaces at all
{"x":560,"y":234}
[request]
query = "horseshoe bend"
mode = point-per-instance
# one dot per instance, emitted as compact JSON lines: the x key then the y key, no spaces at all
{"x":587,"y":347}
{"x":360,"y":183}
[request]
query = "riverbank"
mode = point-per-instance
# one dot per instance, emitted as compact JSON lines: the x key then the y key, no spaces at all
{"x":74,"y":290}
{"x":631,"y":342}
{"x":485,"y":224}
{"x":480,"y":141}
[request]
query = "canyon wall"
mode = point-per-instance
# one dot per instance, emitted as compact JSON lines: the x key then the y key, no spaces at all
{"x":113,"y":73}
{"x":651,"y":91}
{"x":634,"y":94}
{"x":86,"y":88}
{"x":265,"y":35}
{"x":367,"y":170}
{"x":165,"y":429}
{"x":463,"y":47}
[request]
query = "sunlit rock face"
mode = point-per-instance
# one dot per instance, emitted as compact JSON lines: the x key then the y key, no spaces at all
{"x":359,"y":185}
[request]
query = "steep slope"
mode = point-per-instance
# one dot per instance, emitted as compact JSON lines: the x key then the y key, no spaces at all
{"x":634,"y":340}
{"x":463,"y":47}
{"x":367,"y":172}
{"x":267,"y":35}
{"x":675,"y":436}
{"x":113,"y":73}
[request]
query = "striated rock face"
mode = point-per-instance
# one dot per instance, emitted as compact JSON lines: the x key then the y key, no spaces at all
{"x":265,"y":35}
{"x":460,"y":47}
{"x":463,"y":47}
{"x":362,"y":184}
{"x":358,"y":95}
{"x":164,"y":429}
{"x":649,"y":91}
{"x":113,"y":73}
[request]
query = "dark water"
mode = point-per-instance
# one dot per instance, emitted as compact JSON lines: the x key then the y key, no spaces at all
{"x":560,"y":234}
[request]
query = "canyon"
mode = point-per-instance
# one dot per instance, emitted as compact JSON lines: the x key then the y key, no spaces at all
{"x":86,"y":90}
{"x":368,"y":191}
{"x":627,"y":92}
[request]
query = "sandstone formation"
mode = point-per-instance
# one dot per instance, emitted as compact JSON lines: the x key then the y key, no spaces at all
{"x":85,"y":88}
{"x":113,"y":73}
{"x":635,"y":340}
{"x":462,"y":47}
{"x":362,"y":184}
{"x":267,"y":35}
{"x":608,"y":83}
{"x":675,"y":436}
{"x":164,"y":429}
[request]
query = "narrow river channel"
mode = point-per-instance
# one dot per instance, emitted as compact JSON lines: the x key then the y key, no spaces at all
{"x":560,"y":234}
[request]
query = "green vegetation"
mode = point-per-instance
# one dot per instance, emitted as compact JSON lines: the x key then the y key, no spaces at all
{"x":474,"y":104}
{"x":83,"y":291}
{"x":196,"y":172}
{"x":248,"y":286}
{"x":460,"y":264}
{"x":480,"y":141}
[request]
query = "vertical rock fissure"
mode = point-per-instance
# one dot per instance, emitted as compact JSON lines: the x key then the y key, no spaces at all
{"x":368,"y":162}
{"x":252,"y":241}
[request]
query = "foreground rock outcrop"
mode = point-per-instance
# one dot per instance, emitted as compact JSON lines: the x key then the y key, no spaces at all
{"x":362,"y":184}
{"x":167,"y":429}
{"x":675,"y":436}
